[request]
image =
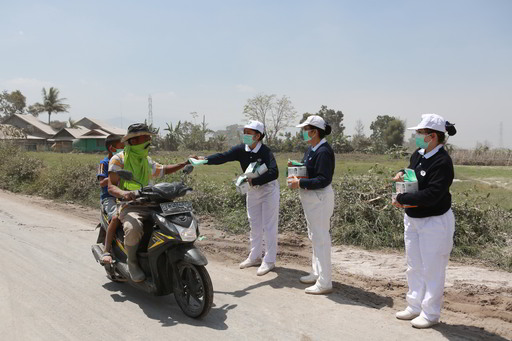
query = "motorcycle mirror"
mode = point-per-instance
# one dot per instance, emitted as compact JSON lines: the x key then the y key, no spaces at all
{"x":125,"y":174}
{"x":188,"y":169}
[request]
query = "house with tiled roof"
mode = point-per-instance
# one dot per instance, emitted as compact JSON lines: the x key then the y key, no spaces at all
{"x":31,"y":125}
{"x":27,"y":131}
{"x":92,"y":123}
{"x":87,"y":135}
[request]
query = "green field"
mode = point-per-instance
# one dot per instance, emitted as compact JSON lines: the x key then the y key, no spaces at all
{"x":363,"y":216}
{"x":491,"y":184}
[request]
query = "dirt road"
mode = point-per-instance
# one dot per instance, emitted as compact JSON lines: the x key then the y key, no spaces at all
{"x":52,"y":289}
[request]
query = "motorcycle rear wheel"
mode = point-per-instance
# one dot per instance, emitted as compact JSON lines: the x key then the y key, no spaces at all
{"x":194,"y":290}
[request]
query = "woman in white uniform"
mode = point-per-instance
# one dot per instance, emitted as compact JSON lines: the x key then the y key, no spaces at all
{"x":429,"y":222}
{"x":317,"y":198}
{"x":262,"y":198}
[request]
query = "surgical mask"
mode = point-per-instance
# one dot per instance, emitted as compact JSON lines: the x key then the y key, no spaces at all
{"x":305,"y":135}
{"x":420,"y":141}
{"x":248,"y":139}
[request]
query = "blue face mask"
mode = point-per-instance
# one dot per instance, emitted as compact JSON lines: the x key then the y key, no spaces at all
{"x":420,"y":141}
{"x":248,"y":139}
{"x":305,"y":135}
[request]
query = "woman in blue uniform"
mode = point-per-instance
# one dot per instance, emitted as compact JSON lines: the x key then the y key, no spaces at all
{"x":262,"y":198}
{"x":317,"y":198}
{"x":430,"y":224}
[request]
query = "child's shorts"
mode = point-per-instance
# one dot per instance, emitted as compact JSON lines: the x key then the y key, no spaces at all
{"x":109,"y":206}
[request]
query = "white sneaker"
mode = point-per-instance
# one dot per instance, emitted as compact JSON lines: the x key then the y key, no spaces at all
{"x":265,"y":268}
{"x":405,"y":315}
{"x":249,"y":262}
{"x":422,"y":323}
{"x":318,"y":290}
{"x":309,"y":279}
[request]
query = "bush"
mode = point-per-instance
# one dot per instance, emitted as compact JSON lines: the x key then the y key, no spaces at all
{"x":16,"y":168}
{"x":362,"y":216}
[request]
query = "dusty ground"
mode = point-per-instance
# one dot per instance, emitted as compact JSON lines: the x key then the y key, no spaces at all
{"x":50,"y":288}
{"x":478,"y":300}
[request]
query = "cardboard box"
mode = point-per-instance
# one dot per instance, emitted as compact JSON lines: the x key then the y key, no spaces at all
{"x":242,"y":185}
{"x":255,"y":169}
{"x":243,"y":188}
{"x":403,"y":187}
{"x":300,"y":172}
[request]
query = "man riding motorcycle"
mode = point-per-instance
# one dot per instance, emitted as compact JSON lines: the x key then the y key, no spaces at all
{"x":135,"y":159}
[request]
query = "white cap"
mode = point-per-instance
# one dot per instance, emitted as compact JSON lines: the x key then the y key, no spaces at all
{"x":255,"y":125}
{"x":313,"y":120}
{"x":431,"y":121}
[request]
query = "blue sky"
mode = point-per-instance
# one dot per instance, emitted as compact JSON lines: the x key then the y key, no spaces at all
{"x":366,"y":58}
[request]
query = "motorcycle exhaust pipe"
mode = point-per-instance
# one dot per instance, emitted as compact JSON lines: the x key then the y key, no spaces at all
{"x":97,"y":252}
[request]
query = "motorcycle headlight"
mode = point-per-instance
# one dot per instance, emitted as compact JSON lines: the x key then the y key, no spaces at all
{"x":188,"y":234}
{"x":167,"y":224}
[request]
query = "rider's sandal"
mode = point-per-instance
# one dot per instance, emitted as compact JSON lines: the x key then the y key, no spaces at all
{"x":106,"y":258}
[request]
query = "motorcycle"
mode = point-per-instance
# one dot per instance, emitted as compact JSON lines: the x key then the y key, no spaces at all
{"x":166,"y":253}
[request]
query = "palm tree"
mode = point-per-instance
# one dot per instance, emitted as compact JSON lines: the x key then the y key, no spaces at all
{"x":52,"y":103}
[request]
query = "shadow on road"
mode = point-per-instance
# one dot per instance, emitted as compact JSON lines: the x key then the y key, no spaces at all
{"x":456,"y":332}
{"x":165,"y":309}
{"x":343,"y":294}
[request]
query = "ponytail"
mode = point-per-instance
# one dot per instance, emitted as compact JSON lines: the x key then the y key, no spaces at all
{"x":450,"y":128}
{"x":324,"y":132}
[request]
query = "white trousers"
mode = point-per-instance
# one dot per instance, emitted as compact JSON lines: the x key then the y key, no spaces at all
{"x":263,"y":214}
{"x":428,"y":243}
{"x":318,"y":208}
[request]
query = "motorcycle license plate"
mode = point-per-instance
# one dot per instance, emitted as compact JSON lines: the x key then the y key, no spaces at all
{"x":170,"y":208}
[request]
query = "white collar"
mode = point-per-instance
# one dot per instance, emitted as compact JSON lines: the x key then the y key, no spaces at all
{"x":255,"y":150}
{"x":322,"y":141}
{"x":430,"y":153}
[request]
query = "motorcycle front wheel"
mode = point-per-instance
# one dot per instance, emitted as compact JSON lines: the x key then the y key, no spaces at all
{"x":193,"y":289}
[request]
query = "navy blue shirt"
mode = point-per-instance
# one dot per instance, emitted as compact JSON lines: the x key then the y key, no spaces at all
{"x":238,"y":153}
{"x":320,"y":166}
{"x":103,"y":172}
{"x":435,"y":176}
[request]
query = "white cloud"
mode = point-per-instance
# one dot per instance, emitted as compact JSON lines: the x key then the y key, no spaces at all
{"x":21,"y":33}
{"x":244,"y":88}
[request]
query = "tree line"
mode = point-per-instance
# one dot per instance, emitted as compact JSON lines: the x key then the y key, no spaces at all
{"x":276,"y":113}
{"x":15,"y":102}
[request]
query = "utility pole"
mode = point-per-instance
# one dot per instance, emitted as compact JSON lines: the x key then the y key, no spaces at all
{"x":150,"y":111}
{"x":501,"y":134}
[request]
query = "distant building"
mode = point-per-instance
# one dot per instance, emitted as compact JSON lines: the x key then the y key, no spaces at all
{"x":91,"y":123}
{"x":63,"y":141}
{"x":31,"y":125}
{"x":88,"y":135}
{"x":16,"y":135}
{"x":35,"y":132}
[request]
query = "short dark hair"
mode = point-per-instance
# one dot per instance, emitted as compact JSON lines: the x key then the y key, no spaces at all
{"x":112,"y":139}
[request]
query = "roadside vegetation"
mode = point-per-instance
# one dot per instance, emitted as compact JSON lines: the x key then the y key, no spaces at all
{"x":363,"y":215}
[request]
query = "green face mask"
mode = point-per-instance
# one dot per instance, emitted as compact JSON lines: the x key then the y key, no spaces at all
{"x":420,"y":141}
{"x":248,"y":139}
{"x":140,"y":150}
{"x":305,"y":135}
{"x":136,"y":161}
